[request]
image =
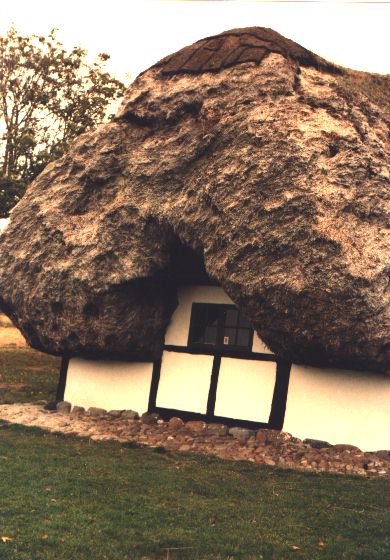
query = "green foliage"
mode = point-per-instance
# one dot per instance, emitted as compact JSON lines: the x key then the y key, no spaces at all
{"x":48,"y":97}
{"x":11,"y":191}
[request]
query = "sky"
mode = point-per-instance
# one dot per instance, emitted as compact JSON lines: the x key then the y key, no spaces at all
{"x":137,"y":33}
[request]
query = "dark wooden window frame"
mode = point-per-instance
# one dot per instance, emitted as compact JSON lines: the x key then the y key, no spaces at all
{"x":219,"y":351}
{"x":198,"y":309}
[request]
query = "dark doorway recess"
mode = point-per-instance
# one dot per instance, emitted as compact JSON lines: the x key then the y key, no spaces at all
{"x":187,"y":266}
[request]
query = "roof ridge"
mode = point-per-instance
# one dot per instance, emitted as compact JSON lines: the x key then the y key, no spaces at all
{"x":199,"y":57}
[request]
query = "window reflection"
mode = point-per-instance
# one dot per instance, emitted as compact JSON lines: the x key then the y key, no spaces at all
{"x":219,"y":326}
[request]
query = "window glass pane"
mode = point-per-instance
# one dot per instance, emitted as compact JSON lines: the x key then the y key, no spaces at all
{"x":243,"y":337}
{"x":198,"y":322}
{"x":219,"y":326}
{"x":229,"y":336}
{"x":212,"y":316}
{"x":204,"y":324}
{"x":231,"y":317}
{"x":243,"y":321}
{"x":197,"y":333}
{"x":210,"y":335}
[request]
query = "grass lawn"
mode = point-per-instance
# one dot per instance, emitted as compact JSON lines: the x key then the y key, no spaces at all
{"x":67,"y":498}
{"x":64,"y":498}
{"x":27,"y":376}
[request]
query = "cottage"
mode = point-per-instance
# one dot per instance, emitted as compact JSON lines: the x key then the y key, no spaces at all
{"x":219,"y":250}
{"x":215,"y":367}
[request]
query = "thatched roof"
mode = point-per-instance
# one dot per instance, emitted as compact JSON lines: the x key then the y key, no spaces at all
{"x":268,"y":162}
{"x":236,"y":46}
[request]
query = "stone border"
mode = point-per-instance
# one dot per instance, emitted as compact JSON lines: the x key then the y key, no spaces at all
{"x":268,"y":447}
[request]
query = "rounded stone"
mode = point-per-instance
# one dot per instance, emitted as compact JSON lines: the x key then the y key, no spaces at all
{"x":64,"y":407}
{"x":130,"y":415}
{"x":317,"y":443}
{"x":196,"y":425}
{"x":175,"y":423}
{"x":78,"y":410}
{"x":241,"y":434}
{"x":214,"y":428}
{"x":96,"y":412}
{"x":346,"y":447}
{"x":115,"y":413}
{"x":150,"y":418}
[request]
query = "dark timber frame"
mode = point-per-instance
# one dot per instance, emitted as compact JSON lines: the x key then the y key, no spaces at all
{"x":62,"y":380}
{"x":220,"y":309}
{"x":219,"y":351}
{"x":279,"y":399}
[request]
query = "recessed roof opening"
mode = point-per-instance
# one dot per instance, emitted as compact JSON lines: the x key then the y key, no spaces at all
{"x":188,"y":267}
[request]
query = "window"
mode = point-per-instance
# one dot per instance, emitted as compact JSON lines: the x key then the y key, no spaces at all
{"x":219,"y":326}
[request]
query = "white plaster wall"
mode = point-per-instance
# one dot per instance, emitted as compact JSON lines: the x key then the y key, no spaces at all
{"x":184,"y":382}
{"x":259,"y":346}
{"x":178,"y":329}
{"x":110,"y":385}
{"x":339,"y":406}
{"x":3,"y":224}
{"x":245,"y":389}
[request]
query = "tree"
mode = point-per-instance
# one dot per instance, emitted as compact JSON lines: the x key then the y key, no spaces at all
{"x":48,"y":97}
